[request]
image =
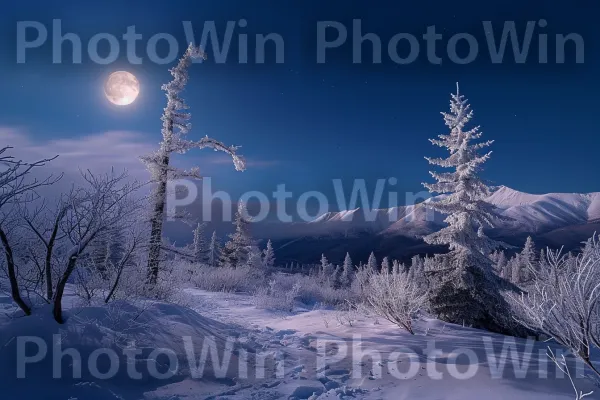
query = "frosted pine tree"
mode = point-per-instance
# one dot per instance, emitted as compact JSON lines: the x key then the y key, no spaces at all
{"x":269,"y":256}
{"x":199,"y":250}
{"x":214,"y":251}
{"x":255,"y":260}
{"x":501,"y":262}
{"x":527,"y":259}
{"x":347,"y":269}
{"x":372,"y":262}
{"x":237,"y":249}
{"x":396,"y":268}
{"x":175,"y":127}
{"x":326,"y":268}
{"x":516,"y":270}
{"x":464,"y":288}
{"x":385,"y":265}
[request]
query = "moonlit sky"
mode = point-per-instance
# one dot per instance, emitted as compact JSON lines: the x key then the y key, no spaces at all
{"x":301,"y":123}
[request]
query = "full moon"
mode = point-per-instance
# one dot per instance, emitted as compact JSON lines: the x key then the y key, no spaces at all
{"x":121,"y":88}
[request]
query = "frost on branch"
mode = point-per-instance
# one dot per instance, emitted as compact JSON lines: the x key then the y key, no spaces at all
{"x":563,"y":300}
{"x":464,"y":288}
{"x":175,"y":127}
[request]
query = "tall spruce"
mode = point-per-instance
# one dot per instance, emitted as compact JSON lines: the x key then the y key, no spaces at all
{"x":214,"y":250}
{"x":269,"y":256}
{"x":199,"y":248}
{"x":463,"y":287}
{"x":237,"y":249}
{"x":347,"y":270}
{"x":372,"y":262}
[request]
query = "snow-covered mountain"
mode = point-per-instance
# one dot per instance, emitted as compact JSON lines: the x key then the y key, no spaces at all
{"x":553,"y":219}
{"x":527,"y":214}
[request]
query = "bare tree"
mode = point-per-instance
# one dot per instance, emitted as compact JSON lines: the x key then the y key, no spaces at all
{"x":175,"y":127}
{"x":16,"y":187}
{"x":106,"y":201}
{"x":44,"y":223}
{"x":563,"y":300}
{"x":110,"y":281}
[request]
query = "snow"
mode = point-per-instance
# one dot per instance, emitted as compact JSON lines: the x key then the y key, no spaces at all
{"x":296,"y":336}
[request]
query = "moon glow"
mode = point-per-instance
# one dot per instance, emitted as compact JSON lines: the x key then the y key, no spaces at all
{"x":121,"y":88}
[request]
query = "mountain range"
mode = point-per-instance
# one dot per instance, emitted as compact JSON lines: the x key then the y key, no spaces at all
{"x":554,"y":220}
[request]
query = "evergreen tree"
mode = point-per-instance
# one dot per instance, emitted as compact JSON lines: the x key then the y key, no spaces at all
{"x":385,"y":265}
{"x":237,"y":249}
{"x":269,"y":256}
{"x":516,"y":270}
{"x":255,"y":259}
{"x":527,"y":258}
{"x":199,"y":250}
{"x":507,"y":270}
{"x":346,"y":277}
{"x":396,"y":267}
{"x":326,"y":268}
{"x":372,"y":263}
{"x":501,"y":264}
{"x":463,"y":287}
{"x":214,"y":251}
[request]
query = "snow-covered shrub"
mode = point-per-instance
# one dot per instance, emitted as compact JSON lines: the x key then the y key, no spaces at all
{"x":227,"y":279}
{"x":395,"y":297}
{"x":360,"y":282}
{"x":313,"y":289}
{"x":312,"y":292}
{"x":275,"y":297}
{"x":563,"y":300}
{"x":95,"y":289}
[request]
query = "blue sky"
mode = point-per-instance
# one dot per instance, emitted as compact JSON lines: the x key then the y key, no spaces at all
{"x":301,"y":123}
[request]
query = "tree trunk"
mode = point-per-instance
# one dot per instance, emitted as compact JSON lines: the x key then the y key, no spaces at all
{"x":12,"y":275}
{"x":48,"y":265}
{"x":60,"y":289}
{"x":156,"y":221}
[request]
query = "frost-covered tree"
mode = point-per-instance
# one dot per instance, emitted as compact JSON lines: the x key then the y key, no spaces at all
{"x":516,"y":270}
{"x":396,"y":267}
{"x":269,"y":256}
{"x":500,"y":265}
{"x":199,"y":250}
{"x":324,"y":262}
{"x":372,"y":262}
{"x":527,"y":258}
{"x":347,"y":268}
{"x":465,"y":291}
{"x":327,"y":268}
{"x":385,"y":264}
{"x":255,"y":259}
{"x":214,"y":250}
{"x":563,"y":300}
{"x":16,"y":185}
{"x":175,"y":127}
{"x":237,"y":249}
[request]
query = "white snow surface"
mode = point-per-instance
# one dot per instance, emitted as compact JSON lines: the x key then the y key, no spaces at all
{"x":296,"y":336}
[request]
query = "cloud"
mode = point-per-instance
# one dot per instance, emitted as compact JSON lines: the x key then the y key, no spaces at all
{"x":99,"y":152}
{"x":96,"y":152}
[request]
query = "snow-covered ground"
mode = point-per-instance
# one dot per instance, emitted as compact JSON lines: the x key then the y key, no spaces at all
{"x":326,"y":354}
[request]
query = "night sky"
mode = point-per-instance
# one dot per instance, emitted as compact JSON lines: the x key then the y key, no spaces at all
{"x":301,"y":123}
